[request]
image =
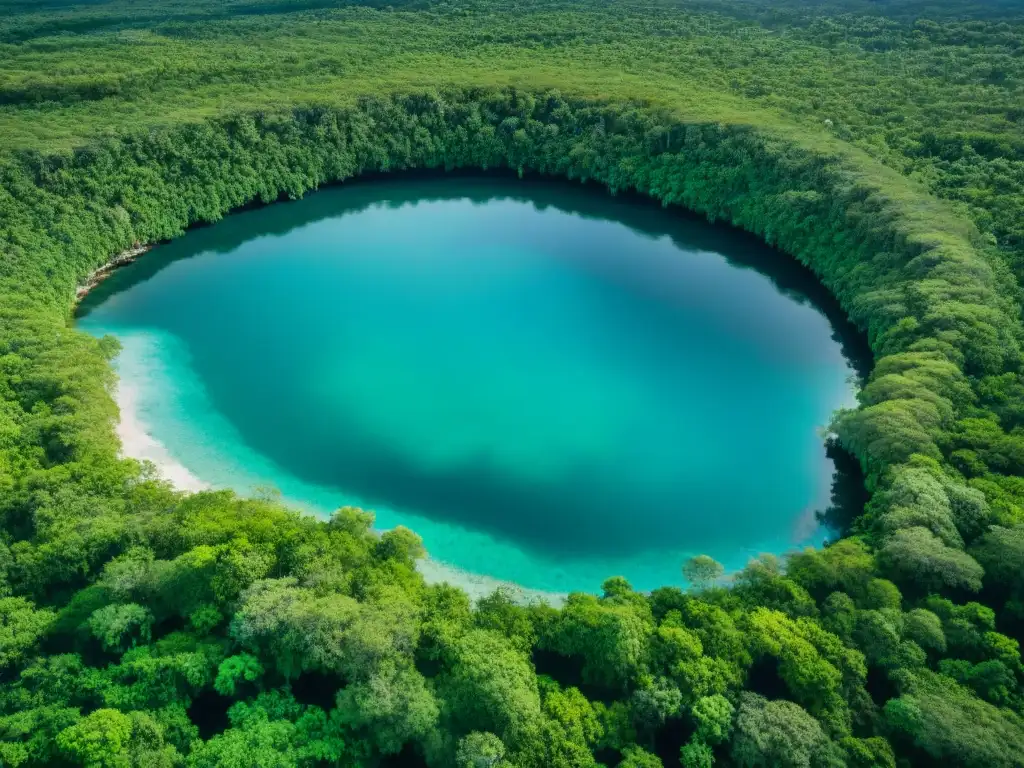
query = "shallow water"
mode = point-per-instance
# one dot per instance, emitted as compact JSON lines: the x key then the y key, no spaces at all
{"x":550,"y":385}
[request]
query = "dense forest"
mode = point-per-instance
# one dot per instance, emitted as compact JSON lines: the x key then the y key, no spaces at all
{"x":881,"y":144}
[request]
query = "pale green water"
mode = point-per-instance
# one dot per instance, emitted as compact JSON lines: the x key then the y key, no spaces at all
{"x":549,"y":385}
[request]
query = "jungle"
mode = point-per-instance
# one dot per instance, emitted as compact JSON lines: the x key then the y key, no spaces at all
{"x":880,"y":143}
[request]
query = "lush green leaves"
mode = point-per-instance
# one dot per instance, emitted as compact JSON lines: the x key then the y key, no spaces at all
{"x":779,"y":733}
{"x":131,"y":615}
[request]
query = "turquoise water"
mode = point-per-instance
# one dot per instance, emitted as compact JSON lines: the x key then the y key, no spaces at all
{"x":550,"y":385}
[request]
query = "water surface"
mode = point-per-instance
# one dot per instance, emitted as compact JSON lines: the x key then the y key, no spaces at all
{"x":550,"y":385}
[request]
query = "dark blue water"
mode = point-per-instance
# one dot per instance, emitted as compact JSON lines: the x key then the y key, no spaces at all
{"x":550,"y":385}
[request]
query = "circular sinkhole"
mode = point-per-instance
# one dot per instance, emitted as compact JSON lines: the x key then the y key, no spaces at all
{"x":550,"y":385}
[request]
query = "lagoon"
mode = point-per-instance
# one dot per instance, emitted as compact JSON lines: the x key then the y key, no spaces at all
{"x":550,"y":385}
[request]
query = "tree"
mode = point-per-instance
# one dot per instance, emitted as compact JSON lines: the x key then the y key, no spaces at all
{"x":500,"y":613}
{"x":447,"y":615}
{"x":762,"y":584}
{"x":302,"y":630}
{"x":386,"y":626}
{"x":713,"y":718}
{"x":952,"y":726}
{"x":205,"y":618}
{"x":571,"y":710}
{"x":966,"y":627}
{"x":489,"y":686}
{"x":655,"y":703}
{"x":616,"y":724}
{"x":915,"y":496}
{"x":702,"y":571}
{"x":635,"y":757}
{"x":839,"y":615}
{"x":924,"y":628}
{"x":877,"y":635}
{"x":118,"y":627}
{"x":293,"y":626}
{"x":873,"y":752}
{"x":846,"y":566}
{"x":881,"y":594}
{"x":480,"y":750}
{"x":779,"y":734}
{"x":148,"y":745}
{"x":720,"y":636}
{"x":262,"y":745}
{"x":696,"y":754}
{"x":673,"y":644}
{"x":1001,"y":553}
{"x":241,"y":668}
{"x":272,"y":731}
{"x":991,"y":680}
{"x":391,"y":708}
{"x":21,"y":627}
{"x":612,"y":639}
{"x":175,"y":668}
{"x":402,"y":545}
{"x":970,"y":508}
{"x":812,"y":679}
{"x":915,"y":558}
{"x":99,"y":740}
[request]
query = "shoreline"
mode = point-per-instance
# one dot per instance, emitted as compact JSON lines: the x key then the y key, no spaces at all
{"x":101,"y":273}
{"x":137,"y":443}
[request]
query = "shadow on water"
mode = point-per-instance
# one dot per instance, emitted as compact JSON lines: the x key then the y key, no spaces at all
{"x":513,"y":506}
{"x":848,"y":494}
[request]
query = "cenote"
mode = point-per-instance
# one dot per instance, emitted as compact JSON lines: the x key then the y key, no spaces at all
{"x":550,"y":385}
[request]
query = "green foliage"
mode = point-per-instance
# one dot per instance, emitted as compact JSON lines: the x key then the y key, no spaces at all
{"x":236,"y":670}
{"x":573,"y":712}
{"x":873,"y":752}
{"x":391,"y":708}
{"x":655,"y":703}
{"x":21,"y":627}
{"x":1000,"y":552}
{"x":273,"y":731}
{"x":780,"y":734}
{"x":949,"y":725}
{"x":500,"y":612}
{"x":847,"y":565}
{"x":204,"y":618}
{"x":635,"y":757}
{"x":489,"y":686}
{"x":915,"y":556}
{"x":814,"y":665}
{"x":99,"y":740}
{"x":124,"y":605}
{"x":713,"y":716}
{"x":480,"y":750}
{"x":611,"y":638}
{"x":925,"y":628}
{"x":702,"y":571}
{"x":696,"y":754}
{"x":293,"y":626}
{"x":118,"y":626}
{"x":402,"y":545}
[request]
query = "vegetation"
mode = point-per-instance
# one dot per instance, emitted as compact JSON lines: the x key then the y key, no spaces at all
{"x":140,"y":626}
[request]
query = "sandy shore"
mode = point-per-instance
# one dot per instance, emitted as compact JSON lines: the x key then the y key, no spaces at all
{"x":477,"y":585}
{"x":138,"y":443}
